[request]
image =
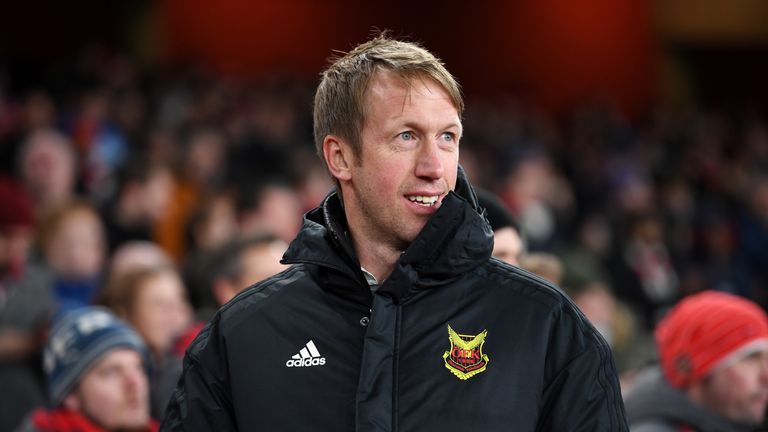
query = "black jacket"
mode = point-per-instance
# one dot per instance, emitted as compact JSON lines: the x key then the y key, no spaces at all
{"x":451,"y":341}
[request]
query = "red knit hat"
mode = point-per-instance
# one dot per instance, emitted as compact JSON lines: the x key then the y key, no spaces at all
{"x":706,"y":330}
{"x":16,"y":208}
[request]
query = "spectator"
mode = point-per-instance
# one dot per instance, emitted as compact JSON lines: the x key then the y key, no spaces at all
{"x":713,"y":375}
{"x":25,"y":307}
{"x":202,"y":169}
{"x":212,"y":226}
{"x":642,"y":269}
{"x":73,"y":246}
{"x":272,"y":207}
{"x":97,"y":376}
{"x":48,"y":168}
{"x":243,"y":263}
{"x":136,"y":255}
{"x":508,"y":244}
{"x":546,"y":265}
{"x":143,"y":196}
{"x":153,"y":300}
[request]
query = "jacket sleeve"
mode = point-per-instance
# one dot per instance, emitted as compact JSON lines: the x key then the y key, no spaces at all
{"x":202,"y":399}
{"x":582,"y":390}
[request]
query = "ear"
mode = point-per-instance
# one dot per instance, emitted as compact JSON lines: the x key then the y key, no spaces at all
{"x":338,"y":156}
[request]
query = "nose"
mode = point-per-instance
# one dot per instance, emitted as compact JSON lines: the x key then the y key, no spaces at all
{"x":135,"y":379}
{"x":429,"y":164}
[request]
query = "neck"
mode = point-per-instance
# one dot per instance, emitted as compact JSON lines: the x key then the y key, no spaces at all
{"x":377,"y":258}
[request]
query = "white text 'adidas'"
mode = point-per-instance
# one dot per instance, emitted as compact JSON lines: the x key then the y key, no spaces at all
{"x":308,"y":356}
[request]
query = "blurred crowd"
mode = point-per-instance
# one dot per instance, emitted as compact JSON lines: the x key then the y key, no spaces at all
{"x":161,"y":195}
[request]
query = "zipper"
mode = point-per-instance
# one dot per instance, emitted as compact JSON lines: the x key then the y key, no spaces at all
{"x":396,"y":370}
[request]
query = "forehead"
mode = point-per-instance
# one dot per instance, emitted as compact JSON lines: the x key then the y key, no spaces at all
{"x":387,"y":86}
{"x":118,"y":356}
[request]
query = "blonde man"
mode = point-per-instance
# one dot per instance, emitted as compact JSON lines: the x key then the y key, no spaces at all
{"x":393,"y":316}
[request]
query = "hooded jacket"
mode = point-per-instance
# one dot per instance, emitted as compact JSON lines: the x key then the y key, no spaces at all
{"x":655,"y":406}
{"x":452,"y":340}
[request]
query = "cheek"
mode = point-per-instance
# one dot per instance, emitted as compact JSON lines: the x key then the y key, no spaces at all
{"x":102,"y":398}
{"x":737,"y":386}
{"x":451,"y":167}
{"x":147,"y":320}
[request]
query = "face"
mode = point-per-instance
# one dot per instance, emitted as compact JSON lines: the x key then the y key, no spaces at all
{"x":261,"y":262}
{"x":114,"y":393}
{"x":160,"y":312}
{"x":157,"y":194}
{"x":740,"y":391}
{"x":407,"y":164}
{"x":14,"y":248}
{"x":48,"y":169}
{"x":77,"y":248}
{"x":507,"y":245}
{"x":258,"y":262}
{"x":279,"y":212}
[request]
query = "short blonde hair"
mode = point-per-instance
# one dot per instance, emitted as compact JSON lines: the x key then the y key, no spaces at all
{"x":339,"y":106}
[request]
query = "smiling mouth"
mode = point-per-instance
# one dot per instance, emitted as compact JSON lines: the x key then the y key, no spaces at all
{"x":424,"y":200}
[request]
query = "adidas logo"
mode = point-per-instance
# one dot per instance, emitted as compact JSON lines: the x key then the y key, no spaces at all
{"x":308,"y":356}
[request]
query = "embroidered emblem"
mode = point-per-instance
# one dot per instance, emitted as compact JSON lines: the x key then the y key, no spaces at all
{"x":465,"y":358}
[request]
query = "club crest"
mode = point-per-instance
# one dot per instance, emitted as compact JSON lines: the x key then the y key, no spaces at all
{"x":465,"y":358}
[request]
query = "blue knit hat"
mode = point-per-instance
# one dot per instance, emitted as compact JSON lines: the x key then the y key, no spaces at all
{"x":78,"y":339}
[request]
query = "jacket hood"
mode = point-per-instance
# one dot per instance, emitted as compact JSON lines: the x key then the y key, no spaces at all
{"x":456,"y":239}
{"x":654,"y":399}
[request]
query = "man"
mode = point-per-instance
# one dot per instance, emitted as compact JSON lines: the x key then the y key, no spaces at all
{"x":508,"y":245}
{"x":713,"y":348}
{"x":97,"y":377}
{"x":25,"y":307}
{"x":393,"y":316}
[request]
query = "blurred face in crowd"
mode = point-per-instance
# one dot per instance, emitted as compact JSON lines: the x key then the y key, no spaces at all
{"x":738,"y":391}
{"x":160,"y":312}
{"x":218,"y":226}
{"x":77,"y":247}
{"x":205,"y":157}
{"x":261,"y":261}
{"x":407,"y":163}
{"x":507,"y":245}
{"x":114,"y":394}
{"x":14,"y":247}
{"x":278,"y":211}
{"x":157,"y":193}
{"x":136,"y":255}
{"x":257,"y":262}
{"x":48,"y":167}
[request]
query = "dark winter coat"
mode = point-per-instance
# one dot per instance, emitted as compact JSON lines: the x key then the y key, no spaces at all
{"x":452,"y":340}
{"x":655,"y":406}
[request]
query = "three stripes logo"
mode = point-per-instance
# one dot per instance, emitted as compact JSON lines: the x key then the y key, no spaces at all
{"x":307,"y":356}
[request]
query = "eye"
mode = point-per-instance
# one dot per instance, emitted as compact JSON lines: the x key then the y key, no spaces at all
{"x":406,"y":136}
{"x":448,"y":136}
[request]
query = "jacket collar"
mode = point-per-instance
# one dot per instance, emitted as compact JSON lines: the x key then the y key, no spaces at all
{"x":456,"y":239}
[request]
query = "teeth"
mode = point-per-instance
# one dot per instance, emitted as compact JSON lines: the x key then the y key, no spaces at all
{"x":424,"y":200}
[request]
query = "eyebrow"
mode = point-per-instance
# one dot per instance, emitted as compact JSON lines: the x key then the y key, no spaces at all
{"x":413,"y":125}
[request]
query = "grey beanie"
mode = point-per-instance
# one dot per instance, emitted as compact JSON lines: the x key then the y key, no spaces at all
{"x":78,"y":339}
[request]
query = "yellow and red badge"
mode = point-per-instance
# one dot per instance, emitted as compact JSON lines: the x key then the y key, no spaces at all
{"x":465,"y":358}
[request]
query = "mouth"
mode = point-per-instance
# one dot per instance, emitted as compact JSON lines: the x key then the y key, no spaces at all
{"x":424,"y":200}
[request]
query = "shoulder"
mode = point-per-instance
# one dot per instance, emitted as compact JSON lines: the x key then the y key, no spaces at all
{"x":533,"y":290}
{"x":534,"y":300}
{"x":247,"y":305}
